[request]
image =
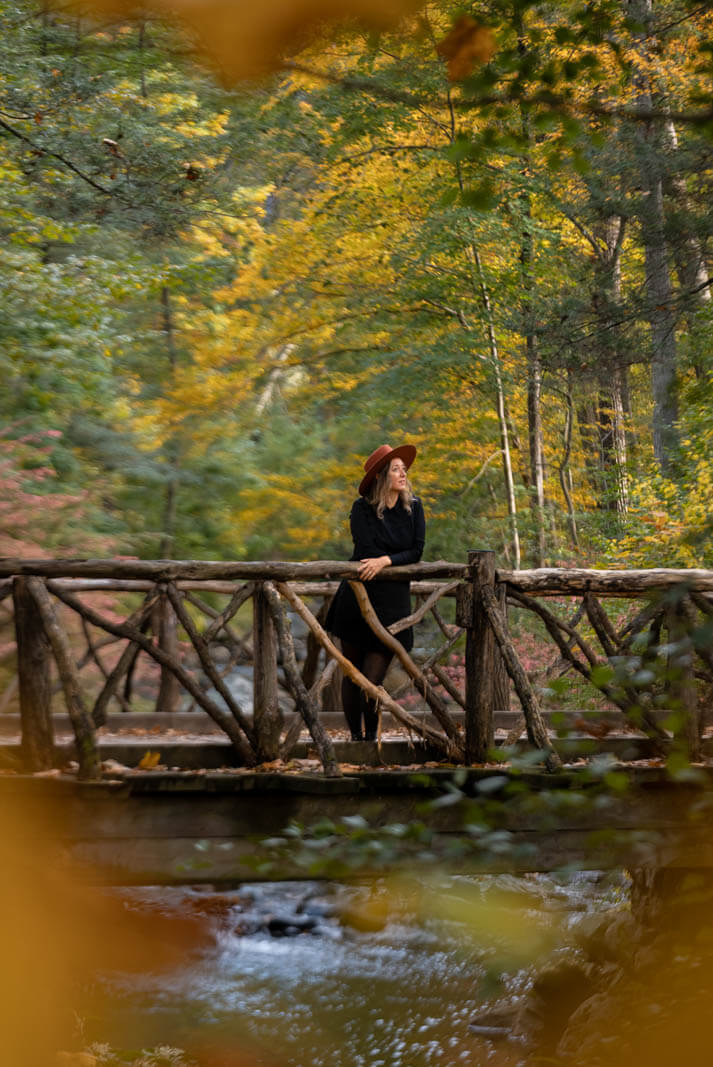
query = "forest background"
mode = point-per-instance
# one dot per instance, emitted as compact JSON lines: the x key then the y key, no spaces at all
{"x":484,"y":230}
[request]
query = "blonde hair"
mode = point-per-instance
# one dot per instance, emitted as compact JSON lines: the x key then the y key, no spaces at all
{"x":378,"y":492}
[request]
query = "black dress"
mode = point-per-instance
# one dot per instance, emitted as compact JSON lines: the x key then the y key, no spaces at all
{"x":400,"y":535}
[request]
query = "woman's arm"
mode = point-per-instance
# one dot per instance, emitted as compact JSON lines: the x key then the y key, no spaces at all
{"x":363,"y":533}
{"x":371,"y":557}
{"x":413,"y":553}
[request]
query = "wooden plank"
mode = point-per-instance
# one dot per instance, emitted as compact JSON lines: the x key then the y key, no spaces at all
{"x":165,"y":628}
{"x":681,"y":687}
{"x":501,"y":681}
{"x":168,"y":829}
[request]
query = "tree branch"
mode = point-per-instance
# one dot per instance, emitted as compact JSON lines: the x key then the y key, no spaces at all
{"x":55,"y":155}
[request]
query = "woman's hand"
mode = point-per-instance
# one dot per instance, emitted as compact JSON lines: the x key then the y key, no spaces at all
{"x":369,"y":568}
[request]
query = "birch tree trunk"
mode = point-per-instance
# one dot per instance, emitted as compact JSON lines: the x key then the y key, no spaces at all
{"x":534,"y":362}
{"x":611,"y":359}
{"x":565,"y":470}
{"x":480,"y":289}
{"x":501,"y":407}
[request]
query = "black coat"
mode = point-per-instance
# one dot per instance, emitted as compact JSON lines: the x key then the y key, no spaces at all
{"x":400,"y":535}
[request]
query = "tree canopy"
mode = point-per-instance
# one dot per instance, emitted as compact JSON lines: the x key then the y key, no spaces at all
{"x":484,"y":230}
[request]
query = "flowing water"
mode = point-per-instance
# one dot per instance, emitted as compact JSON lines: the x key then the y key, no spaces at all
{"x":323,"y":974}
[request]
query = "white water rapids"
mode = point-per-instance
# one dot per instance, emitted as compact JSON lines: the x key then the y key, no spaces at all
{"x":289,"y":977}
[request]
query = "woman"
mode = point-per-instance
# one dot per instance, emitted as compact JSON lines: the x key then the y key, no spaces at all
{"x":388,"y":528}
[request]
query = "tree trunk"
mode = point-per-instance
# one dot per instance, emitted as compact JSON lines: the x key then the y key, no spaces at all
{"x":500,"y":406}
{"x":536,"y":442}
{"x":611,"y":360}
{"x":587,"y":422}
{"x":480,"y":289}
{"x":565,"y":471}
{"x":619,"y":441}
{"x":612,"y":446}
{"x":688,"y":253}
{"x":662,"y":319}
{"x":167,"y":547}
{"x":659,"y":293}
{"x":534,"y":363}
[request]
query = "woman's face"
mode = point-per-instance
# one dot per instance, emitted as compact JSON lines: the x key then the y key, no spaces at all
{"x":397,"y":476}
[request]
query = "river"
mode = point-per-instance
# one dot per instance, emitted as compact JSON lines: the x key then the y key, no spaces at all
{"x":316,"y":974}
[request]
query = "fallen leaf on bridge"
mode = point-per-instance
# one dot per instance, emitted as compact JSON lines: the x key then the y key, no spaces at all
{"x":109,"y":766}
{"x":149,"y":761}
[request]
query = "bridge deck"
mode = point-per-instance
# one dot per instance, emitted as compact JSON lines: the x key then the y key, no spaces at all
{"x":190,"y":827}
{"x":190,"y":740}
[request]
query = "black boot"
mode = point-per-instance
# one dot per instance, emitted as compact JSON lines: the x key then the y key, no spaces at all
{"x":371,"y":722}
{"x":353,"y":717}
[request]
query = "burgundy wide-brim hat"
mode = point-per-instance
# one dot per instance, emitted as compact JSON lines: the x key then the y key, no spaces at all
{"x":381,"y":458}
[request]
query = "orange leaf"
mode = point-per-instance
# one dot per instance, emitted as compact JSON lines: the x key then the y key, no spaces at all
{"x":467,"y":43}
{"x":149,"y":760}
{"x":243,"y":40}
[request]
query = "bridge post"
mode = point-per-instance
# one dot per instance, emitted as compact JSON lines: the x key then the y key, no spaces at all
{"x":682,"y":684}
{"x":501,"y":679}
{"x":165,"y":627}
{"x":266,"y":709}
{"x":481,"y":657}
{"x":33,"y":671}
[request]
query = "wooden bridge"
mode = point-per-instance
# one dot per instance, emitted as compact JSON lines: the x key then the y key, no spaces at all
{"x":55,"y":609}
{"x":84,"y":627}
{"x":153,"y":828}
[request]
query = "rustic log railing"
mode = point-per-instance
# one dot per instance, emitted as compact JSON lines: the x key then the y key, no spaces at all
{"x":678,"y":603}
{"x":167,"y":620}
{"x":636,"y":671}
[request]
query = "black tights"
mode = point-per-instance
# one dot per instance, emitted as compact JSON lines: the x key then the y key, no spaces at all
{"x":374,"y":665}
